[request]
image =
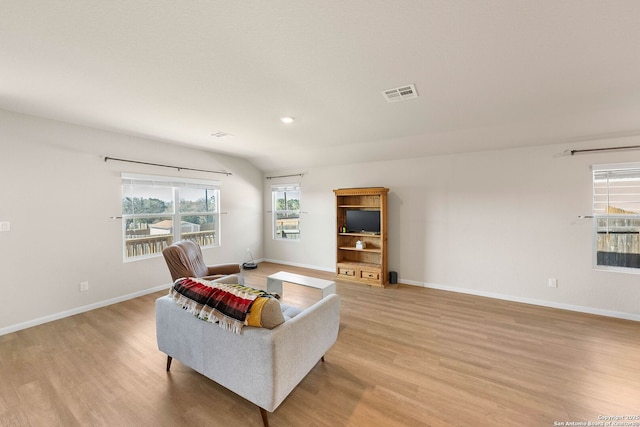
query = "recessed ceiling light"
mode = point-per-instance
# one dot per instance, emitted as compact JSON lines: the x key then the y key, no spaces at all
{"x":287,"y":119}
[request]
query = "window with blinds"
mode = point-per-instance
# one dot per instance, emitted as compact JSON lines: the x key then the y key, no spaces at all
{"x":286,"y":211}
{"x":616,"y":209}
{"x":158,"y":210}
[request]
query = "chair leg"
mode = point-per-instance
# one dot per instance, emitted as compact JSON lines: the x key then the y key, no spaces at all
{"x":169,"y":359}
{"x":265,"y":417}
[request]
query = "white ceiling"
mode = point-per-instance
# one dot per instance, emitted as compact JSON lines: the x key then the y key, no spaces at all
{"x":490,"y":73}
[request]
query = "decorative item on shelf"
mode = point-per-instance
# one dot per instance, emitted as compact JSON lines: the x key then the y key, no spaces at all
{"x":360,"y":245}
{"x":343,"y":229}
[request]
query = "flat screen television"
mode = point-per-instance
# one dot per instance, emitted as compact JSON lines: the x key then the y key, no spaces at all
{"x":360,"y":220}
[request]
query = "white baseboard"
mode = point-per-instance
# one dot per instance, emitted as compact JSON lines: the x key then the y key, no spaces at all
{"x":551,"y":304}
{"x":68,"y":313}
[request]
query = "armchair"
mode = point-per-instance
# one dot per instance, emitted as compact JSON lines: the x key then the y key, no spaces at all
{"x":184,"y":259}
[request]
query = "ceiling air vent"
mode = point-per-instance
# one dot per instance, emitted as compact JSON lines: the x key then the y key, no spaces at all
{"x":400,"y":93}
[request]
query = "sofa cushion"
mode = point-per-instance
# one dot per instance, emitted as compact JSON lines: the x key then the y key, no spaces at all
{"x":290,"y":311}
{"x":265,"y":312}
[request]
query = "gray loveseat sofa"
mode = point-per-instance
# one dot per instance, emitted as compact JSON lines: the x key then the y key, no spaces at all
{"x":261,"y":365}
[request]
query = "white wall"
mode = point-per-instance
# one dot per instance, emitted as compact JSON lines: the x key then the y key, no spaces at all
{"x":494,"y":223}
{"x":498,"y":223}
{"x":58,"y":195}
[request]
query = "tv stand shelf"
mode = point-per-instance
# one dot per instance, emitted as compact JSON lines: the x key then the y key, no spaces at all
{"x":369,"y":265}
{"x":349,"y":248}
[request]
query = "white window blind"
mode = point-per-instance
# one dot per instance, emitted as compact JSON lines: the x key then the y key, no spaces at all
{"x":285,"y":187}
{"x":163,"y":181}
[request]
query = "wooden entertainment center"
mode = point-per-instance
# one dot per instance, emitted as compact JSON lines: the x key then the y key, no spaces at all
{"x":369,"y":264}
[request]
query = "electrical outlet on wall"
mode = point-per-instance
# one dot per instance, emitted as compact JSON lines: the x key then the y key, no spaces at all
{"x":84,"y":286}
{"x":553,"y":283}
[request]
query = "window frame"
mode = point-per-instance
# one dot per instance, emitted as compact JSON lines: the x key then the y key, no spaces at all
{"x":278,"y":188}
{"x":608,"y":216}
{"x":175,"y":215}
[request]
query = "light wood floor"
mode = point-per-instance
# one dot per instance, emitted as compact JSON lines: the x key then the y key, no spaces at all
{"x":405,"y":356}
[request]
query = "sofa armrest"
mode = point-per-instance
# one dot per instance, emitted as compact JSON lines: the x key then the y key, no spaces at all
{"x":300,"y":343}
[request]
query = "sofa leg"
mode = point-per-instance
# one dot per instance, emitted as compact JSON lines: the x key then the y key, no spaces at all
{"x":169,"y":359}
{"x":265,"y":417}
{"x":322,"y":358}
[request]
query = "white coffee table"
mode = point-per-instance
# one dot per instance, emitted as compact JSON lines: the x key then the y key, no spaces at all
{"x":274,"y":283}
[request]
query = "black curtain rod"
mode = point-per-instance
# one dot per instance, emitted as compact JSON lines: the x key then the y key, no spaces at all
{"x":180,"y":168}
{"x":285,"y":176}
{"x":591,"y":150}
